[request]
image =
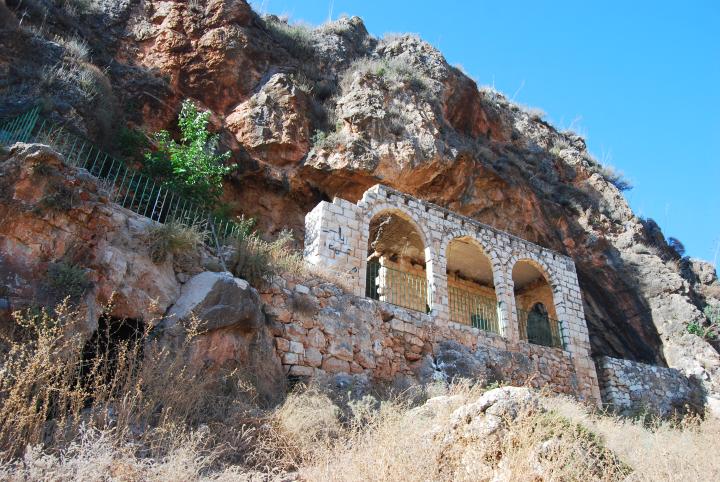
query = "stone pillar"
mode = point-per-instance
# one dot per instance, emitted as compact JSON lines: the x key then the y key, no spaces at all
{"x":334,"y":241}
{"x":436,"y":267}
{"x":504,"y":291}
{"x":569,"y":307}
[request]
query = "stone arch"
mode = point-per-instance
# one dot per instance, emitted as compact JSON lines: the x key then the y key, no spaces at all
{"x":474,"y":235}
{"x":547,"y":292}
{"x":372,"y":210}
{"x":489,"y":249}
{"x":472,"y":288}
{"x":404,"y":278}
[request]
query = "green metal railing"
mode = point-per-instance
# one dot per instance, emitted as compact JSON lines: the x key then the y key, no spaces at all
{"x":396,"y":287}
{"x":540,"y":329}
{"x":473,"y":309}
{"x":124,"y":185}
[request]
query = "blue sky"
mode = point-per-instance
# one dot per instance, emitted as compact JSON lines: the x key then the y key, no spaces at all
{"x":640,"y":79}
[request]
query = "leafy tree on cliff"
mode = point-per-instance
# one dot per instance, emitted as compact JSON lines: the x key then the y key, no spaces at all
{"x":191,"y":167}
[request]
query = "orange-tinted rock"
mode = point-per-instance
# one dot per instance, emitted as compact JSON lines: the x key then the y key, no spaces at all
{"x":273,"y":124}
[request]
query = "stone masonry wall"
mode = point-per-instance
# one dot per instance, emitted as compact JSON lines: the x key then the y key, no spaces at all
{"x":337,"y":237}
{"x":320,"y":331}
{"x":632,"y":388}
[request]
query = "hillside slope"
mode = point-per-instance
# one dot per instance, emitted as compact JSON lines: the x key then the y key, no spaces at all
{"x":312,"y":114}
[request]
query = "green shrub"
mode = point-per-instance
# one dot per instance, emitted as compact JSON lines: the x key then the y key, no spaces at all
{"x":131,"y":143}
{"x":191,"y":167}
{"x":67,"y":280}
{"x":330,"y":140}
{"x":259,"y":261}
{"x":713,"y":314}
{"x":709,"y":330}
{"x":172,"y":238}
{"x":319,"y":138}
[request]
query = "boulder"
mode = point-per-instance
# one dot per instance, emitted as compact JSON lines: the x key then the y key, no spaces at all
{"x":272,"y":123}
{"x":232,"y":332}
{"x":472,"y":437}
{"x":217,"y":300}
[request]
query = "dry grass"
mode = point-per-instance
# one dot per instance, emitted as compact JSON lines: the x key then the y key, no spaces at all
{"x":659,"y":450}
{"x":76,"y":74}
{"x":296,"y":38}
{"x":137,"y":412}
{"x":172,"y":238}
{"x":395,"y":73}
{"x":616,"y":178}
{"x":338,"y":278}
{"x":75,"y":47}
{"x":56,"y":389}
{"x":259,"y":261}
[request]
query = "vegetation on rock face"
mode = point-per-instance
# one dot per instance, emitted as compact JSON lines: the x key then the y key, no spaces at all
{"x":676,"y":246}
{"x":150,"y":417}
{"x":325,"y":140}
{"x":710,"y":330}
{"x":60,"y":198}
{"x":295,"y":38}
{"x":259,"y":261}
{"x":394,"y":73}
{"x":190,"y":167}
{"x":173,"y":238}
{"x":616,"y":178}
{"x":67,"y":280}
{"x":52,"y":395}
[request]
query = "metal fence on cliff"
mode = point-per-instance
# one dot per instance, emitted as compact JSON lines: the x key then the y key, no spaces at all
{"x":126,"y":186}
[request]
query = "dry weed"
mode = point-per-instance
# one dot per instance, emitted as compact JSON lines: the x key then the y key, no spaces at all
{"x":172,"y":238}
{"x":259,"y":261}
{"x":656,"y":450}
{"x":134,"y":410}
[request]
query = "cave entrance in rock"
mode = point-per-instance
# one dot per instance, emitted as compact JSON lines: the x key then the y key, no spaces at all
{"x":396,"y":271}
{"x":117,"y":344}
{"x":534,"y":306}
{"x":471,"y":289}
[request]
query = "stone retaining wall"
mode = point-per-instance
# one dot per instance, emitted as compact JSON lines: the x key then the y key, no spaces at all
{"x":632,"y":388}
{"x":320,"y":330}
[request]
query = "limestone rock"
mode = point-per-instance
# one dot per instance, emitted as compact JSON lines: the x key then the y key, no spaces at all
{"x":456,"y":362}
{"x":272,"y":124}
{"x":425,"y":129}
{"x":232,"y":330}
{"x":476,"y":429}
{"x":217,"y":300}
{"x":80,"y":228}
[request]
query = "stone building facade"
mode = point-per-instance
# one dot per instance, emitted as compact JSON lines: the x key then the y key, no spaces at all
{"x":338,"y":239}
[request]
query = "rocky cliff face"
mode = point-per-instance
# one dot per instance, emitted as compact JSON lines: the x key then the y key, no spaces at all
{"x":312,"y":114}
{"x":60,"y":238}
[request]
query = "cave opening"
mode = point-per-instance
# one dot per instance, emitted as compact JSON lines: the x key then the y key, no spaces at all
{"x":116,"y":344}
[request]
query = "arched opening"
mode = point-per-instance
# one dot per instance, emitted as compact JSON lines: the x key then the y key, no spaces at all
{"x":536,"y":315}
{"x":396,"y":263}
{"x":471,"y":289}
